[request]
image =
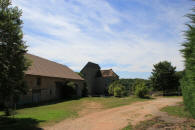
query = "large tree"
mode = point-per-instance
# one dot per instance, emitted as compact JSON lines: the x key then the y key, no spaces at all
{"x":188,"y":81}
{"x":164,"y":77}
{"x":12,"y":55}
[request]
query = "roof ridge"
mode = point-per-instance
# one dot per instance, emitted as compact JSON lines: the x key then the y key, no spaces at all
{"x":47,"y":59}
{"x":45,"y":67}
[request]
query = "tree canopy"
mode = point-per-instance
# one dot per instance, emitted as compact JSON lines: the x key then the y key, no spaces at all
{"x":164,"y":77}
{"x":188,"y":81}
{"x":12,"y":54}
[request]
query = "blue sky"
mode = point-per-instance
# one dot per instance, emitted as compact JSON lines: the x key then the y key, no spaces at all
{"x":128,"y":36}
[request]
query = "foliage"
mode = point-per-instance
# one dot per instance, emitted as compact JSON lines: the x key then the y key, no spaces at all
{"x":117,"y":89}
{"x":12,"y":55}
{"x":127,"y":83}
{"x":141,"y":81}
{"x":69,"y":90}
{"x":180,"y":75}
{"x":130,"y":84}
{"x":117,"y":92}
{"x":164,"y":77}
{"x":141,"y":90}
{"x":188,"y":80}
{"x":129,"y":127}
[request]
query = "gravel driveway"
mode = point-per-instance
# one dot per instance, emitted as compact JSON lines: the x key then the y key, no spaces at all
{"x":116,"y":118}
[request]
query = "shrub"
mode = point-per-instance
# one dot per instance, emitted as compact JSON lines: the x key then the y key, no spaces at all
{"x":117,"y":90}
{"x":188,"y":80}
{"x":141,"y":90}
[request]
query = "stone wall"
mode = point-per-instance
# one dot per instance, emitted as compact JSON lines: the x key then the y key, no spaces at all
{"x":90,"y":75}
{"x":45,"y":89}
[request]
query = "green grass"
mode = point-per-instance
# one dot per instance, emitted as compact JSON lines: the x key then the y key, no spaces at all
{"x":111,"y":102}
{"x":143,"y":125}
{"x":129,"y":127}
{"x":50,"y":114}
{"x":172,"y":96}
{"x":178,"y":110}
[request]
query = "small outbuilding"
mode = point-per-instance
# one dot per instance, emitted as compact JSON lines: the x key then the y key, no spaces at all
{"x":98,"y":80}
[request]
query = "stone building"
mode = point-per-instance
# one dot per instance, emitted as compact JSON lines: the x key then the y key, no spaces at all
{"x":98,"y":80}
{"x":44,"y":79}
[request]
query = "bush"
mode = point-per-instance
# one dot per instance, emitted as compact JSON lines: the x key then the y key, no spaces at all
{"x":117,"y":90}
{"x":188,"y":80}
{"x":141,"y":90}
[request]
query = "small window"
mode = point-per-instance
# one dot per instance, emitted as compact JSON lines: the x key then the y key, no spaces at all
{"x":38,"y":81}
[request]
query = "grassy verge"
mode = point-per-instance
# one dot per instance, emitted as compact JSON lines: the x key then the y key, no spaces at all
{"x":156,"y":123}
{"x":143,"y":125}
{"x":27,"y":118}
{"x":178,"y":110}
{"x":129,"y":127}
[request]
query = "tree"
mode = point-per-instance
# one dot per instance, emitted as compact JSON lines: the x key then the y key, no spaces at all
{"x":141,"y":90}
{"x":12,"y":55}
{"x":164,"y":77}
{"x":180,"y":75}
{"x":188,"y":80}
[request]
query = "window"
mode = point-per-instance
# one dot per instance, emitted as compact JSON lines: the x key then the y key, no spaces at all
{"x":39,"y":81}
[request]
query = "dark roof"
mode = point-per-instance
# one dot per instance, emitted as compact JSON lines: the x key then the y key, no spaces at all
{"x":44,"y":67}
{"x":108,"y":73}
{"x":91,"y":65}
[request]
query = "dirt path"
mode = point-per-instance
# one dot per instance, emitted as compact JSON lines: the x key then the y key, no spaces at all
{"x":116,"y":118}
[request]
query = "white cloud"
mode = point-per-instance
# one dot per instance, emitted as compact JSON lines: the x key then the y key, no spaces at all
{"x":75,"y":32}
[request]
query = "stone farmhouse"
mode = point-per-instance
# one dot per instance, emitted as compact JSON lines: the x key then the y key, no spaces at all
{"x":98,"y":80}
{"x":44,"y":79}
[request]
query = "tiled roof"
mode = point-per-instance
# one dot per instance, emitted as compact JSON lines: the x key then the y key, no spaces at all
{"x":108,"y":73}
{"x":44,"y":67}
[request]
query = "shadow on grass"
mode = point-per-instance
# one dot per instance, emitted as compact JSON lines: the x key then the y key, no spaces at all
{"x":51,"y":102}
{"x":9,"y":123}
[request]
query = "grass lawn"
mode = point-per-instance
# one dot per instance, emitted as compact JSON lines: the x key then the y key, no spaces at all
{"x":111,"y":102}
{"x":178,"y":110}
{"x":50,"y":114}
